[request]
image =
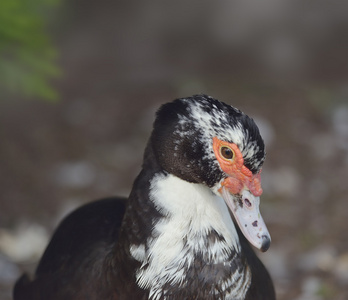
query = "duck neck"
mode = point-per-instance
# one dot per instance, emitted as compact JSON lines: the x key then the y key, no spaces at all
{"x":184,"y":231}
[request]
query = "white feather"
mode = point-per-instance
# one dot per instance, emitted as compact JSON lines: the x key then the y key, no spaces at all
{"x":191,"y":211}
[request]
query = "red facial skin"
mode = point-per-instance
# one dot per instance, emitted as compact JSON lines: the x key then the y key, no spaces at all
{"x":240,"y":176}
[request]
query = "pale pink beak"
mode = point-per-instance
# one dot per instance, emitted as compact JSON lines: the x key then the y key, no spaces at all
{"x":247,"y":214}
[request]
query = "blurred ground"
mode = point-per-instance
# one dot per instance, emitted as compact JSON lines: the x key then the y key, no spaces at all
{"x":283,"y":63}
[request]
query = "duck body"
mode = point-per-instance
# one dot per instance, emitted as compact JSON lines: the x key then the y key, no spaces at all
{"x":174,"y":237}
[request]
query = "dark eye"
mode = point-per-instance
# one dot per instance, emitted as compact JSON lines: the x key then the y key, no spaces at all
{"x":226,"y":152}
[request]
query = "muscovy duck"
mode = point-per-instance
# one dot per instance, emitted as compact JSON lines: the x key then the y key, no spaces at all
{"x":183,"y":232}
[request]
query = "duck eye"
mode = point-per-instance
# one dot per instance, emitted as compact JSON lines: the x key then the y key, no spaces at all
{"x":226,"y":152}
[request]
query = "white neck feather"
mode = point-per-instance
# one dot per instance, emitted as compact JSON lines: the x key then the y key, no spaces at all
{"x":192,"y":211}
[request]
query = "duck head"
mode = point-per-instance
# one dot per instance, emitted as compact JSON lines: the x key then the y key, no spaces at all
{"x":204,"y":141}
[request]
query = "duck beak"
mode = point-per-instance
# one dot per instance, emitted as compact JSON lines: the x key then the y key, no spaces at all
{"x":245,"y":209}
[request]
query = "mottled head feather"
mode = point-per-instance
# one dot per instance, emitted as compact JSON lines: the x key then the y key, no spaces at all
{"x":183,"y":133}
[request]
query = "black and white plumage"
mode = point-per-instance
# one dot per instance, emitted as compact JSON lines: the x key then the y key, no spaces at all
{"x":174,"y":237}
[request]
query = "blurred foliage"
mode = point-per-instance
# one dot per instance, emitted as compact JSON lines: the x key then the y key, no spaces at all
{"x":327,"y":291}
{"x":27,"y":56}
{"x":308,"y":239}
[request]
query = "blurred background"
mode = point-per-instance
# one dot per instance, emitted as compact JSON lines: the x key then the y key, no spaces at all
{"x":80,"y":82}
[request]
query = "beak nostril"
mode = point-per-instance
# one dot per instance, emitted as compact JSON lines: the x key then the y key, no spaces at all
{"x":247,"y":202}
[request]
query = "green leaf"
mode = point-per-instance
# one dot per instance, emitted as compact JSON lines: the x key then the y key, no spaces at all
{"x":27,"y":56}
